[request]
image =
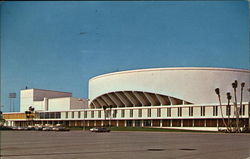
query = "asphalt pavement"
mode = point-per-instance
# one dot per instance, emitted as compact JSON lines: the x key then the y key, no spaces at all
{"x":123,"y":145}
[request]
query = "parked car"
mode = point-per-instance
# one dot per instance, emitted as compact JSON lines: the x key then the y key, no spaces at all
{"x":20,"y":128}
{"x":39,"y":128}
{"x":14,"y":127}
{"x":47,"y":129}
{"x":31,"y":128}
{"x":99,"y":129}
{"x":5,"y":128}
{"x":60,"y":129}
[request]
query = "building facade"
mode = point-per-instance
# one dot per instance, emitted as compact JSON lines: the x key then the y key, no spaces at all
{"x":181,"y":98}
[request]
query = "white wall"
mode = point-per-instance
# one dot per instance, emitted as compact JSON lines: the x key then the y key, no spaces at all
{"x":195,"y":85}
{"x":59,"y":104}
{"x":58,"y":101}
{"x":26,"y":99}
{"x":38,"y":105}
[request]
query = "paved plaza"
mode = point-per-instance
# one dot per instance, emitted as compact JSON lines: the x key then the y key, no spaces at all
{"x":123,"y":145}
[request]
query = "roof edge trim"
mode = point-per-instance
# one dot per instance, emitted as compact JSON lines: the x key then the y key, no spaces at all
{"x":171,"y":69}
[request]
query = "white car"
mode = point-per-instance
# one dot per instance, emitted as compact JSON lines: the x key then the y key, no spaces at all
{"x":60,"y":129}
{"x":99,"y":129}
{"x":47,"y":129}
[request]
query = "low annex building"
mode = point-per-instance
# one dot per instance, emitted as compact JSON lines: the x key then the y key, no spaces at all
{"x":163,"y":97}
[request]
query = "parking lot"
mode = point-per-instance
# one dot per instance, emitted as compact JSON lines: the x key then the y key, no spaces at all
{"x":122,"y":145}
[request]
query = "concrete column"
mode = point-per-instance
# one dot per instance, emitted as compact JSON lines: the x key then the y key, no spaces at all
{"x":205,"y":123}
{"x":248,"y":115}
{"x":181,"y":122}
{"x":142,"y":124}
{"x":171,"y":123}
{"x":125,"y":123}
{"x":46,"y":104}
{"x":133,"y":123}
{"x":161,"y":123}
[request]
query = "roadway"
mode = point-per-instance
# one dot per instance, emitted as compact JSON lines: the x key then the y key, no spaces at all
{"x":123,"y":145}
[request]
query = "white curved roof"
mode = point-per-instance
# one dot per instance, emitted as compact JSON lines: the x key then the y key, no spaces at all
{"x":189,"y":84}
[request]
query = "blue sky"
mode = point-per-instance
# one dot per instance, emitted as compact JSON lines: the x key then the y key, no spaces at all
{"x":61,"y":45}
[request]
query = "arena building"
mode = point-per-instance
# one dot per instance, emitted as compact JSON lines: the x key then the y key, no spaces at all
{"x":182,"y":98}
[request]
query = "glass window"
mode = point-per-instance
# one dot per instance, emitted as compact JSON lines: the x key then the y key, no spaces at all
{"x":85,"y":114}
{"x":114,"y":113}
{"x":131,"y":113}
{"x":228,"y":111}
{"x":149,"y":112}
{"x":139,"y":112}
{"x":191,"y":111}
{"x":158,"y":112}
{"x":52,"y":115}
{"x":169,"y":112}
{"x":123,"y":113}
{"x":242,"y":110}
{"x":79,"y":114}
{"x":46,"y":115}
{"x":137,"y":123}
{"x":92,"y":114}
{"x":42,"y":115}
{"x":202,"y":111}
{"x":180,"y":111}
{"x":99,"y":114}
{"x":147,"y":123}
{"x":129,"y":123}
{"x":66,"y":114}
{"x":215,"y":110}
{"x":58,"y":115}
{"x":72,"y":114}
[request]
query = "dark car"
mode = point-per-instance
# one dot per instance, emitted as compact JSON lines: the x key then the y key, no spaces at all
{"x":99,"y":130}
